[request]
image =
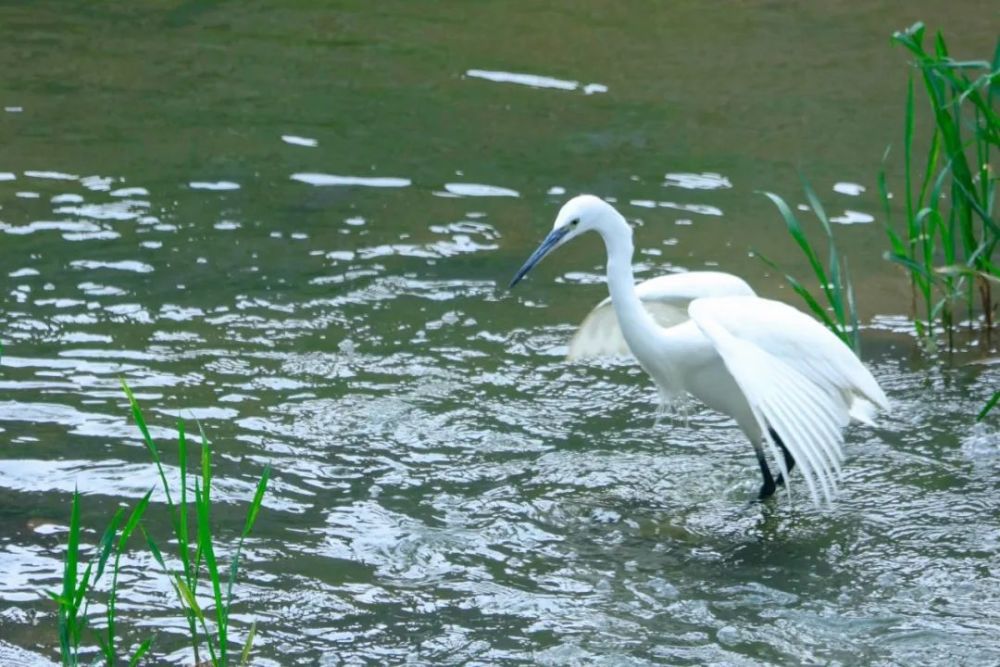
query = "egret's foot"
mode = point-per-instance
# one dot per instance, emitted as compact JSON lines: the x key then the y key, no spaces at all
{"x":767,"y":490}
{"x":768,"y":487}
{"x":789,"y":460}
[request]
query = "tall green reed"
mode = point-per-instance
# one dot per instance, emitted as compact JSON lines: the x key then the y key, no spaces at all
{"x":835,"y":305}
{"x":74,"y":599}
{"x":195,"y":551}
{"x":949,"y":233}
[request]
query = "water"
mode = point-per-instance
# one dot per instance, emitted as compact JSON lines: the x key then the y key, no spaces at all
{"x":296,"y":226}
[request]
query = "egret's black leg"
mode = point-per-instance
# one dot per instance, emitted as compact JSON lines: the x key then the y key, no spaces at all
{"x":789,"y":460}
{"x":768,"y":487}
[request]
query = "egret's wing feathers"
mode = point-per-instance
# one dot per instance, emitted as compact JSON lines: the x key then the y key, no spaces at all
{"x":801,"y":342}
{"x":798,"y":378}
{"x":783,"y":400}
{"x":666,"y":298}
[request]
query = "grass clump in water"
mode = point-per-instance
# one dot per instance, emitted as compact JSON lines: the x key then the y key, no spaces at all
{"x":74,"y":598}
{"x":948,"y":235}
{"x":208,"y":629}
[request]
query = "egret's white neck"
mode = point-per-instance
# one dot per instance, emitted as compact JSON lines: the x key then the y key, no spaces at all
{"x":641,"y":331}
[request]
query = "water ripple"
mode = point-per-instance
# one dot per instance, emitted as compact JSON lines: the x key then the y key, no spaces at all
{"x":445,"y":487}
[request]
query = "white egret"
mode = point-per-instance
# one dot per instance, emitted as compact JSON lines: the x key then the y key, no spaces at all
{"x":790,"y":384}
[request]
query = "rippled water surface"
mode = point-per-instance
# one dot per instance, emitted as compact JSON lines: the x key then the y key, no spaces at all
{"x":296,"y":225}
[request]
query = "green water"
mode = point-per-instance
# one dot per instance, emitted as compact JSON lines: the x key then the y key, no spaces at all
{"x":446,"y":489}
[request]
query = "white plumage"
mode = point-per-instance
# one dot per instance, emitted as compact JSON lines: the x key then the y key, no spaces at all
{"x":666,"y":298}
{"x":790,"y":384}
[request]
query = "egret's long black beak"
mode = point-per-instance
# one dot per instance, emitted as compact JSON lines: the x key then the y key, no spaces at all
{"x":547,"y":245}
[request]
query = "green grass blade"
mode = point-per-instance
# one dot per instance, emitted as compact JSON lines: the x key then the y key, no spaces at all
{"x":106,"y":651}
{"x":189,"y":598}
{"x":816,"y":206}
{"x":183,"y":594}
{"x":183,"y":532}
{"x":806,"y":296}
{"x":818,"y":310}
{"x":107,"y":542}
{"x":206,"y":476}
{"x":203,"y":506}
{"x":833,"y":288}
{"x":252,"y":512}
{"x":133,"y":520}
{"x":898,"y":246}
{"x":832,"y":280}
{"x":911,"y":37}
{"x":108,"y":646}
{"x":258,"y":498}
{"x":940,"y":48}
{"x":795,"y":229}
{"x":977,"y":208}
{"x":150,"y":445}
{"x":245,"y":656}
{"x":67,"y":613}
{"x":206,"y":463}
{"x":192,"y":604}
{"x":140,"y":652}
{"x":852,"y":310}
{"x":990,"y":404}
{"x":82,"y":587}
{"x":909,"y":264}
{"x":908,"y":155}
{"x":60,"y":600}
{"x":153,"y":549}
{"x":72,"y":549}
{"x":933,"y":158}
{"x":183,"y":540}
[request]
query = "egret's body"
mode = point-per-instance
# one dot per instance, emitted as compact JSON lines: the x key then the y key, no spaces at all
{"x":789,"y":383}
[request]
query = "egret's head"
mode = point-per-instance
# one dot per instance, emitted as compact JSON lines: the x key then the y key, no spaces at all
{"x":580,"y":214}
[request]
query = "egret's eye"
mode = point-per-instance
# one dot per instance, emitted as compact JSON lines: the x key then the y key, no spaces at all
{"x":574,"y":222}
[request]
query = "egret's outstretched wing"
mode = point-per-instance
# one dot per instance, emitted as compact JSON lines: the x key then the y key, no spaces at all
{"x":798,"y":378}
{"x":600,"y":335}
{"x":666,"y":298}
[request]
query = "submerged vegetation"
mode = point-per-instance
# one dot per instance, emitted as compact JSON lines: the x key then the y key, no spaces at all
{"x":196,"y":553}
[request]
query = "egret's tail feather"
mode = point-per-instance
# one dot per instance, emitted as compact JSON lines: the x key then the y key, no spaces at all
{"x":863,"y":410}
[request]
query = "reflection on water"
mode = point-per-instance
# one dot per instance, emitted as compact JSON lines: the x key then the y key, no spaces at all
{"x":536,"y":81}
{"x":850,"y":189}
{"x":446,"y":490}
{"x":705,"y":181}
{"x":213,"y":185}
{"x":299,"y":141}
{"x":702,"y":209}
{"x":479,"y":190}
{"x":448,"y":473}
{"x":369,"y":181}
{"x":850,"y":217}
